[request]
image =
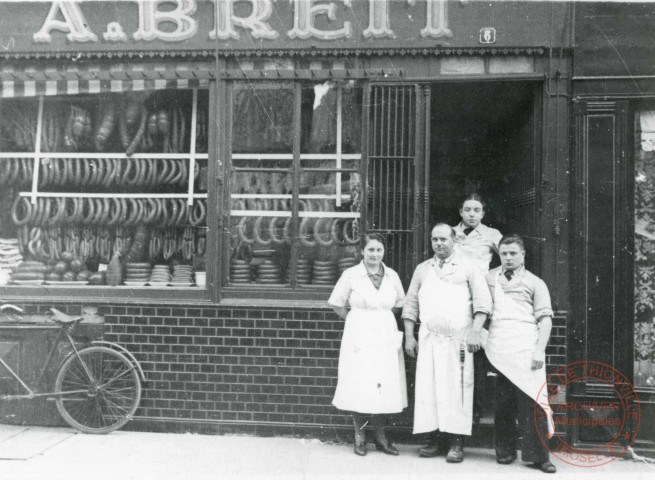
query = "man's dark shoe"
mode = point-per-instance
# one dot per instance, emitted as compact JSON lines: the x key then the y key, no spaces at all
{"x":545,"y":467}
{"x":432,"y":449}
{"x":506,"y":459}
{"x":387,"y":448}
{"x":456,"y":452}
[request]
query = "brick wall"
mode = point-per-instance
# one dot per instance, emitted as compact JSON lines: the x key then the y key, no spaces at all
{"x":266,"y":371}
{"x":239,"y":369}
{"x":556,"y":357}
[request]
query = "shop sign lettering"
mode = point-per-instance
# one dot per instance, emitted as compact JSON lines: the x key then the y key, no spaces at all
{"x":176,"y":22}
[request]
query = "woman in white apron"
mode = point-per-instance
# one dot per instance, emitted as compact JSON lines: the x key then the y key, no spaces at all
{"x":371,"y":378}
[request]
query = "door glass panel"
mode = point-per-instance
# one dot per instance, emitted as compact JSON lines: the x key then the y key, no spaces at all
{"x":645,"y":250}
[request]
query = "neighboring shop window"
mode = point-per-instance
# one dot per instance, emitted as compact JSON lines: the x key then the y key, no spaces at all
{"x":119,"y":192}
{"x":645,"y":250}
{"x":295,"y":215}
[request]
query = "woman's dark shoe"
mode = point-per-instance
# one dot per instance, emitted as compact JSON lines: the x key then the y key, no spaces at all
{"x":387,"y":448}
{"x":360,"y":448}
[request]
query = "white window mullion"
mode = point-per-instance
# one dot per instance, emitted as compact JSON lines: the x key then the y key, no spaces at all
{"x":339,"y":136}
{"x":37,"y":150}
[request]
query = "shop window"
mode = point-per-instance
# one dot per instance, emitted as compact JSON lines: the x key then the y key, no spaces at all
{"x":295,"y":205}
{"x":86,"y":178}
{"x":645,"y":250}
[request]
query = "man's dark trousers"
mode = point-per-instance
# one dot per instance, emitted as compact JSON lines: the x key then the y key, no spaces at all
{"x":512,"y":402}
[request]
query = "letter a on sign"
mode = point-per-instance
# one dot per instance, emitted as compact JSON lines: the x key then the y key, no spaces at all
{"x":74,"y":24}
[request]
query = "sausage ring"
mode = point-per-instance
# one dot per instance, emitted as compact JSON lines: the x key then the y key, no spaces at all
{"x":171,"y":215}
{"x":134,"y":179}
{"x":350,"y":240}
{"x":165,"y":164}
{"x":178,"y":172}
{"x":88,"y":207}
{"x":113,"y":212}
{"x":104,"y":218}
{"x":317,"y":232}
{"x":271,"y":231}
{"x":4,"y":173}
{"x":151,"y":210}
{"x":143,"y":173}
{"x":303,"y":233}
{"x":55,"y":206}
{"x":99,"y":211}
{"x":198,"y":214}
{"x":184,"y":173}
{"x":172,"y":172}
{"x":183,"y":212}
{"x":77,"y":212}
{"x":62,"y":174}
{"x":44,"y":214}
{"x":11,"y":170}
{"x":257,"y":229}
{"x":124,"y":180}
{"x":85,"y":172}
{"x":241,"y":230}
{"x":27,"y":210}
{"x":141,"y":207}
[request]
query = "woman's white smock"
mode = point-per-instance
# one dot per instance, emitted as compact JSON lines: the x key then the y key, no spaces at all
{"x":371,"y":363}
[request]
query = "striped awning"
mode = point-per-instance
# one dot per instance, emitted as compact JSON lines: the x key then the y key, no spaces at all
{"x":74,"y":80}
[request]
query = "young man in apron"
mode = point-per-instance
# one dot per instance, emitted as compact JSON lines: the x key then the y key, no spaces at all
{"x":516,"y":345}
{"x":450,"y":296}
{"x":479,"y":242}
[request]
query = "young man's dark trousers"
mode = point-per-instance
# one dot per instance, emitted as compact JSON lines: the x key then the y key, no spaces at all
{"x":513,"y":404}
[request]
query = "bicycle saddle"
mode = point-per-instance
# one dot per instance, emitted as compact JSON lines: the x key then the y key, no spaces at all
{"x":62,"y":317}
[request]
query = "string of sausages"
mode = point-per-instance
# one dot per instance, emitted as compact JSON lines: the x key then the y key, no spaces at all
{"x":108,"y":211}
{"x":43,"y":244}
{"x":267,"y":230}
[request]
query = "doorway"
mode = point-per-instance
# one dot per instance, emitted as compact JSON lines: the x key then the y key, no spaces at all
{"x":484,"y":139}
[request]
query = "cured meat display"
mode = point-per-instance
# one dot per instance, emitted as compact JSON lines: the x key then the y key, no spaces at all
{"x":89,"y":178}
{"x":295,"y":223}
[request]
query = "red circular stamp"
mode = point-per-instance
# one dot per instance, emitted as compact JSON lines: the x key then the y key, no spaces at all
{"x":605,"y":422}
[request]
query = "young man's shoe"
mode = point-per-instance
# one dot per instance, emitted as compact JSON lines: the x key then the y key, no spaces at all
{"x":545,"y":467}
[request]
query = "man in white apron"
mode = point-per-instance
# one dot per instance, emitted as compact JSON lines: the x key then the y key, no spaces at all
{"x":450,"y":296}
{"x":516,"y":345}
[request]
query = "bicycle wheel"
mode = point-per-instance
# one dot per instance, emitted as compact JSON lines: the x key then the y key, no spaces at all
{"x":97,"y":392}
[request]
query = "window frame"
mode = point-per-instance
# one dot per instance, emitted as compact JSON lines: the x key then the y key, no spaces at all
{"x":125,"y":293}
{"x":287,"y":290}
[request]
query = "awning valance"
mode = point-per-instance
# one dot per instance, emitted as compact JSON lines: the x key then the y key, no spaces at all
{"x":75,"y":80}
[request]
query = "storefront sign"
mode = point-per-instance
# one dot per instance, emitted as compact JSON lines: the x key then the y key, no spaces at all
{"x":276,"y":24}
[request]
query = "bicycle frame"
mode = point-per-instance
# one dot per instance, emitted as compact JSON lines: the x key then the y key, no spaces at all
{"x":64,"y":330}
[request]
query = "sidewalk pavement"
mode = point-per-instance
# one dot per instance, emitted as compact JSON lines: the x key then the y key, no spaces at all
{"x":62,"y":453}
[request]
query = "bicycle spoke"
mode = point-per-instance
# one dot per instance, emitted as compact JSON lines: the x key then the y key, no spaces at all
{"x":116,"y":377}
{"x":104,"y":404}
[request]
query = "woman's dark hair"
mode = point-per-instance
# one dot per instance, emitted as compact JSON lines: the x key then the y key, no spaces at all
{"x":512,"y":238}
{"x":372,"y":236}
{"x":473,"y":196}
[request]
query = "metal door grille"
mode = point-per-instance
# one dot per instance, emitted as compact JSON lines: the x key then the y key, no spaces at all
{"x":391,"y":173}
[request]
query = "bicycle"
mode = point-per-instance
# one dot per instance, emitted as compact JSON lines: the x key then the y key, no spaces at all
{"x":98,"y":384}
